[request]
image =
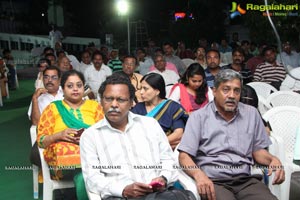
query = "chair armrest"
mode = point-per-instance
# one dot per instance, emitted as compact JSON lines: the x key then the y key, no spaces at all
{"x":188,"y":183}
{"x":277,"y":147}
{"x":93,"y":196}
{"x":33,"y":134}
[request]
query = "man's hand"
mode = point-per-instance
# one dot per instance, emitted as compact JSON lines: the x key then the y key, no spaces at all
{"x":38,"y":93}
{"x":276,"y":166}
{"x":136,"y":190}
{"x":159,"y":180}
{"x":205,"y":187}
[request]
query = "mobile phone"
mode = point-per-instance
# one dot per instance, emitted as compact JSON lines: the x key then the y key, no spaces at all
{"x":79,"y":132}
{"x":156,"y":184}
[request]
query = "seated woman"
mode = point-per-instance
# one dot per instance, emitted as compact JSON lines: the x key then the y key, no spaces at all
{"x":192,"y":91}
{"x":169,"y":114}
{"x":59,"y":124}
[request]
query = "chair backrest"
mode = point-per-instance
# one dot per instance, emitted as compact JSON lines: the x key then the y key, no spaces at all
{"x":263,"y":107}
{"x":262,"y":89}
{"x":283,"y":98}
{"x":284,"y":121}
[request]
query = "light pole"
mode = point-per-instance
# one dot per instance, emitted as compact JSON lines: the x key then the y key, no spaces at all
{"x":123,"y":7}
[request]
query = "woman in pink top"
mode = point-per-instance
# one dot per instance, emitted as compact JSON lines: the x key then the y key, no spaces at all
{"x":192,"y":91}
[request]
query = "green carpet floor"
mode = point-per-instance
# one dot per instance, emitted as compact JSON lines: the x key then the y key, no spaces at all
{"x":15,"y":179}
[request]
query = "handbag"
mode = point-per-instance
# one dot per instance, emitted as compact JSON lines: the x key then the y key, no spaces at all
{"x":171,"y":193}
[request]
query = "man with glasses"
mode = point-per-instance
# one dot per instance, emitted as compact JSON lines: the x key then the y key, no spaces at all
{"x":124,"y":153}
{"x":42,"y":97}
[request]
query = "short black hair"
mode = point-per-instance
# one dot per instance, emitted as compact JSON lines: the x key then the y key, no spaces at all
{"x":238,"y":49}
{"x":130,"y":56}
{"x":71,"y":72}
{"x":47,"y":49}
{"x":97,"y":53}
{"x":213,"y":50}
{"x":268,"y":48}
{"x":53,"y":68}
{"x":43,"y":60}
{"x":118,"y":78}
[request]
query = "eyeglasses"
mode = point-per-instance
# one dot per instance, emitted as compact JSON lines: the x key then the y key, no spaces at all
{"x":111,"y":99}
{"x":47,"y":77}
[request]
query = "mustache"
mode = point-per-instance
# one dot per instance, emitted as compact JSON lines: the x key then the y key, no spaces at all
{"x":117,"y":110}
{"x":49,"y":84}
{"x":231,"y":101}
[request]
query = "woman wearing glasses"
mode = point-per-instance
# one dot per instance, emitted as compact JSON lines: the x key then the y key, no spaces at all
{"x":61,"y":124}
{"x":169,"y":114}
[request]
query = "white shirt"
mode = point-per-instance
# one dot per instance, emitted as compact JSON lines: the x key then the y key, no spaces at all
{"x":82,"y":67}
{"x":94,"y":78}
{"x":55,"y":36}
{"x":290,"y":83}
{"x":293,"y":59}
{"x":169,"y":76}
{"x":45,"y":99}
{"x":143,"y":144}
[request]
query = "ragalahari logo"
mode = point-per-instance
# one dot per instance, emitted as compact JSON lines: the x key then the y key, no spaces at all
{"x":236,"y":10}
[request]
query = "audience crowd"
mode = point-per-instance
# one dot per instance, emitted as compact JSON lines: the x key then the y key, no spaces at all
{"x":194,"y":97}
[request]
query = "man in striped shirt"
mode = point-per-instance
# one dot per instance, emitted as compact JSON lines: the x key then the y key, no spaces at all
{"x":270,"y":71}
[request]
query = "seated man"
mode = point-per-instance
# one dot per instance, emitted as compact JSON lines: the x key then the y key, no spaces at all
{"x":123,"y":153}
{"x":42,"y":97}
{"x":221,"y":142}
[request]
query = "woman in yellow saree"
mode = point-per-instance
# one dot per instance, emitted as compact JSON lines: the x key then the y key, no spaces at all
{"x":59,"y":126}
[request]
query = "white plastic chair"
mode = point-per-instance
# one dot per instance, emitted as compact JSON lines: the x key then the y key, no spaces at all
{"x":283,"y":98}
{"x":263,"y":107}
{"x":187,"y":62}
{"x":35,"y":169}
{"x":262,"y":89}
{"x":284,"y":121}
{"x":48,"y":184}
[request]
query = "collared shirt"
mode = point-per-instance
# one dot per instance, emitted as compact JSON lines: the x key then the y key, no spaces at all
{"x":177,"y":62}
{"x":292,"y":59}
{"x":210,"y":78}
{"x":169,"y":66}
{"x":82,"y":67}
{"x":45,"y":99}
{"x":223,"y":149}
{"x":245,"y":73}
{"x":266,"y":72}
{"x":111,"y":159}
{"x":94,"y":77}
{"x":169,"y":76}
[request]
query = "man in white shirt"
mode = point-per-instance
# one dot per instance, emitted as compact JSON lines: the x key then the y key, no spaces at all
{"x":170,"y":77}
{"x":55,"y":36}
{"x":97,"y":73}
{"x":42,"y":97}
{"x":123,"y":153}
{"x":85,"y":61}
